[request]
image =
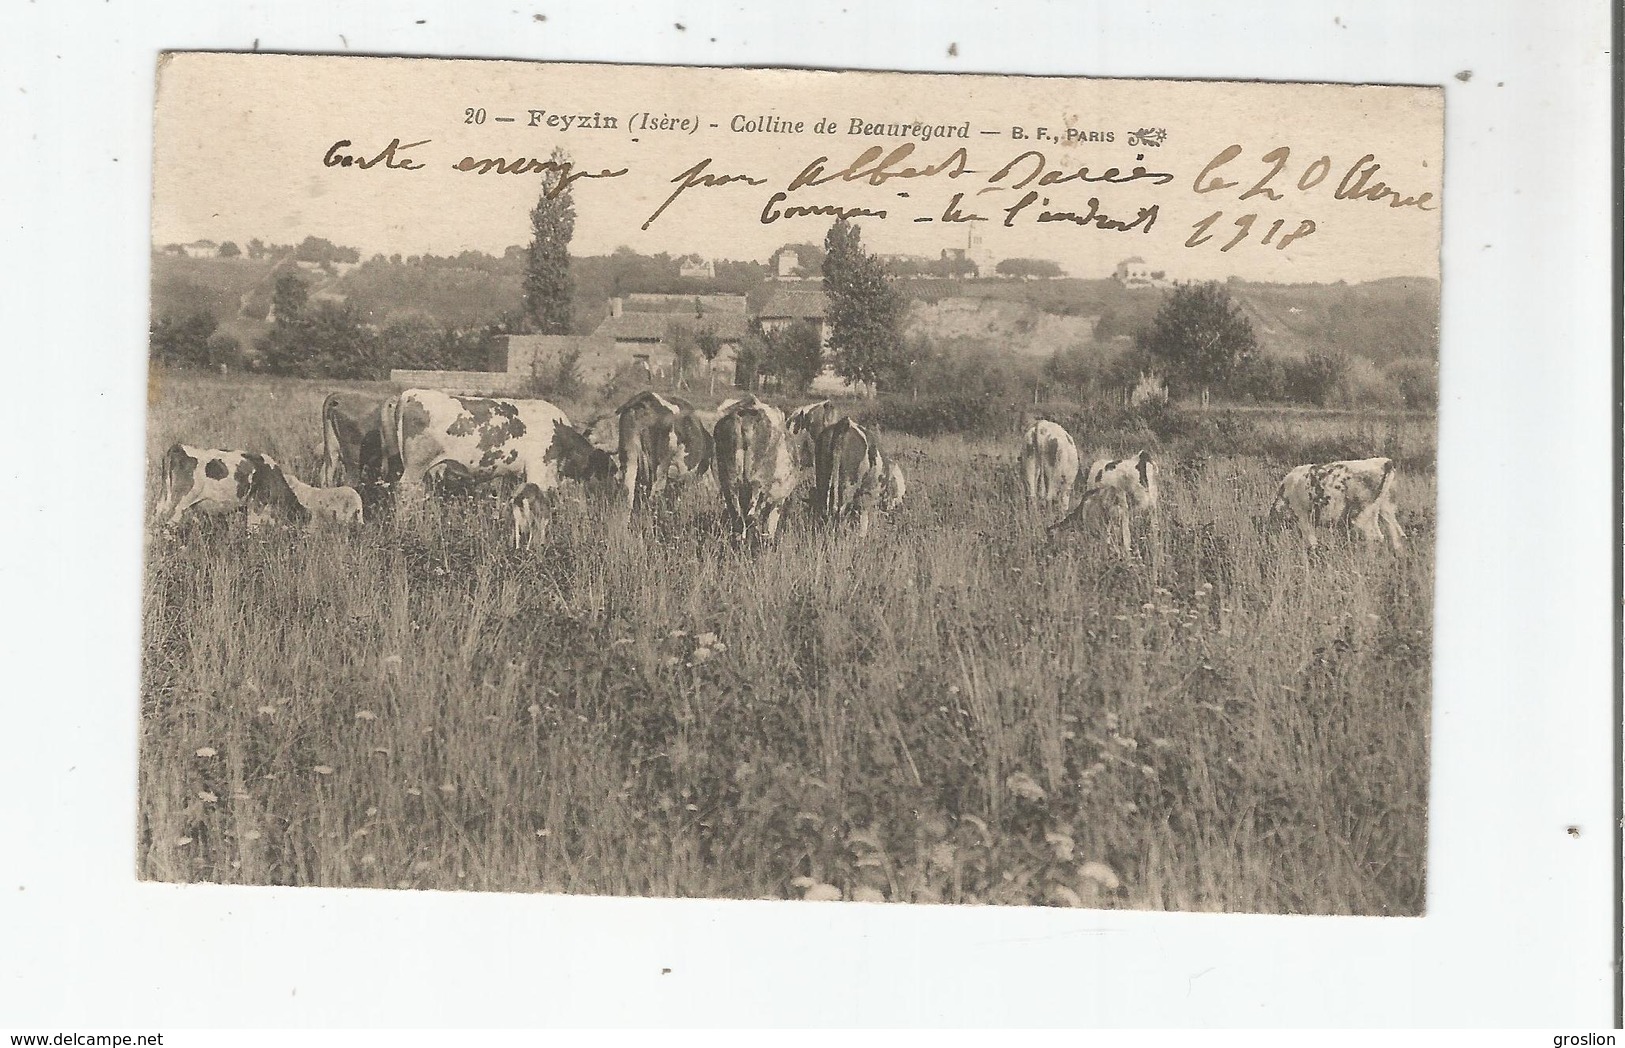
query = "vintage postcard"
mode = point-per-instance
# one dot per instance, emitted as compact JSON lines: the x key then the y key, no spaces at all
{"x":790,"y":484}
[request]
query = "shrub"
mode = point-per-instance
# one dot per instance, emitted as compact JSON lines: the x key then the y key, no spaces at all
{"x":1365,"y":385}
{"x":1417,"y":380}
{"x":1316,"y":378}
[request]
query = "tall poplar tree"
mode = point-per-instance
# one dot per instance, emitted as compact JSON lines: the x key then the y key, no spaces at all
{"x":865,"y":312}
{"x":548,"y":285}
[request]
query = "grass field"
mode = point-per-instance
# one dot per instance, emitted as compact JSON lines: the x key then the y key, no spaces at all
{"x":951,"y":711}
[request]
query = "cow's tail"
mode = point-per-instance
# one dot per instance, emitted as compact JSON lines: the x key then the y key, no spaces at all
{"x":328,"y":475}
{"x":389,"y":419}
{"x":166,"y":483}
{"x":397,"y":428}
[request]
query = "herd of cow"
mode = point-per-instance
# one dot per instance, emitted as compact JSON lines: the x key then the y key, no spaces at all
{"x":377,"y":452}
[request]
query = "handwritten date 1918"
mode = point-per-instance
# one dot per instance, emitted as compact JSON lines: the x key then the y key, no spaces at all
{"x":1244,"y":229}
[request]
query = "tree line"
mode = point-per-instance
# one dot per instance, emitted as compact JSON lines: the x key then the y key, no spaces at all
{"x":1199,"y":343}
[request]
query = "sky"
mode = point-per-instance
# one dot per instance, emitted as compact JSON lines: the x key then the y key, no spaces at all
{"x":244,"y":146}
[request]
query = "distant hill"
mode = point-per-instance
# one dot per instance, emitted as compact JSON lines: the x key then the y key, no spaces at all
{"x":1381,"y":320}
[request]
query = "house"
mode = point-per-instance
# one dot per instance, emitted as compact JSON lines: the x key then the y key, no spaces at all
{"x":1136,"y":272}
{"x":693,"y":267}
{"x":200,"y":249}
{"x":787,"y":306}
{"x":637,"y":331}
{"x":786,"y":263}
{"x":660,"y":303}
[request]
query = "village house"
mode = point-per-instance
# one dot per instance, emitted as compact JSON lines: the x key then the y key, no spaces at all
{"x":637,"y":331}
{"x":1136,"y":272}
{"x":693,"y":267}
{"x":787,"y":306}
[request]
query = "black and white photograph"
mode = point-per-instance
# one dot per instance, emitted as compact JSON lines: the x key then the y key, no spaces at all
{"x":1032,"y":516}
{"x":782,"y":484}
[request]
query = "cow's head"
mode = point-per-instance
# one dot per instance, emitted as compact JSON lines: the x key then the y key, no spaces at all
{"x":577,"y":457}
{"x":269,"y":498}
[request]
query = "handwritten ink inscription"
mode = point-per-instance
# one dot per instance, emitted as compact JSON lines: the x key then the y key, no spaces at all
{"x":1025,"y":188}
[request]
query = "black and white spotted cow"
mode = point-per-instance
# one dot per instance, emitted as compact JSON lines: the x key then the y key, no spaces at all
{"x":1355,"y":494}
{"x":211,"y":481}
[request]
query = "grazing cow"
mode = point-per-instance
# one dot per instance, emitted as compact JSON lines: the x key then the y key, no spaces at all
{"x":464,"y":443}
{"x":204,"y":480}
{"x":211,"y":481}
{"x":804,"y":424}
{"x":1049,"y":465}
{"x":1123,"y":488}
{"x":339,"y":505}
{"x":754,"y":467}
{"x":852,"y":476}
{"x":1357,"y":494}
{"x":490,"y":438}
{"x":661,"y":439}
{"x":359,"y":446}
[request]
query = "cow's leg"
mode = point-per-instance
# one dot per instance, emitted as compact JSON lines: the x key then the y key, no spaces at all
{"x":770,"y":527}
{"x":1366,"y":524}
{"x":630,"y":476}
{"x":1389,"y":522}
{"x":191,"y":499}
{"x":1064,"y":496}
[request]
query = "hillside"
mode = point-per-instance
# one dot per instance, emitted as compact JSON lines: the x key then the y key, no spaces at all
{"x":1381,"y":320}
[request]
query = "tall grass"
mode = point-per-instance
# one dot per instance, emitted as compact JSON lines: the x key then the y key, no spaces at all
{"x":953,"y":710}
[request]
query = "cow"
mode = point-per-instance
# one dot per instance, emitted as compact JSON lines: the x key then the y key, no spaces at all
{"x":212,"y":482}
{"x":804,"y":424}
{"x":469,"y":442}
{"x":662,"y":439}
{"x":491,"y":438}
{"x":1049,"y":466}
{"x":337,"y":505}
{"x":852,"y":476}
{"x":359,"y":446}
{"x":1123,"y":489}
{"x":755,"y":469}
{"x":1356,"y":494}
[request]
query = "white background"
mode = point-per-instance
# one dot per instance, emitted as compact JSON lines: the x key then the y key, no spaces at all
{"x":1518,"y":929}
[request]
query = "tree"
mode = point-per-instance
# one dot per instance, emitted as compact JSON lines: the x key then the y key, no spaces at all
{"x":182,"y":343}
{"x":709,"y":346}
{"x":793,"y":355}
{"x":288,"y":298}
{"x":809,"y":258}
{"x":548,"y":287}
{"x":749,"y":359}
{"x":865,"y":312}
{"x":1028,"y":267}
{"x":681,"y":342}
{"x":230,"y":250}
{"x":256,"y":248}
{"x":1198,"y":335}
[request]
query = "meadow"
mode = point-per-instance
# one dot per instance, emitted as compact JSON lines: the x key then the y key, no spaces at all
{"x":955,"y":710}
